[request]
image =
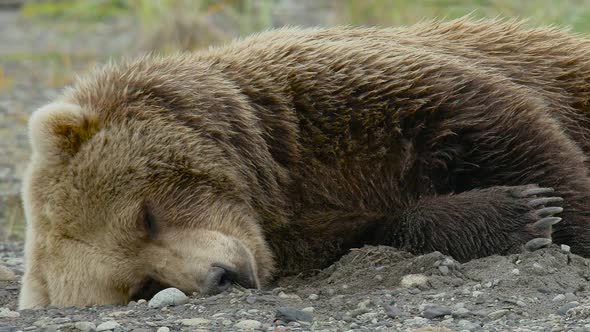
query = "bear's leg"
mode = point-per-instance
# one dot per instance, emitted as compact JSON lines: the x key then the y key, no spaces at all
{"x":476,"y":223}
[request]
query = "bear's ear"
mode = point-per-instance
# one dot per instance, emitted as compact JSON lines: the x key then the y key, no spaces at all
{"x":58,"y":130}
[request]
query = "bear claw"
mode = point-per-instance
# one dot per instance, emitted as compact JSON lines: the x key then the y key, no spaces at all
{"x":546,"y":222}
{"x":544,"y":200}
{"x":548,"y":211}
{"x":538,"y":243}
{"x":536,"y":191}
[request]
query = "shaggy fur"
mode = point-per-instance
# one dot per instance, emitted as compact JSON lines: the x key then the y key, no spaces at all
{"x":292,"y":146}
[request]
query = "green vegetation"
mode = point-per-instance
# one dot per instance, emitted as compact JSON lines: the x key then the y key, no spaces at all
{"x":190,"y":24}
{"x":574,"y":13}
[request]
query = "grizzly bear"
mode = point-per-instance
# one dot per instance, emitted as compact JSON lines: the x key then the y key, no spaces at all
{"x":279,"y":152}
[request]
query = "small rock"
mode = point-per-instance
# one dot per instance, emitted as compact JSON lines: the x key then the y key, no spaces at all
{"x":558,"y":298}
{"x":85,"y":326}
{"x":515,"y":272}
{"x":364,"y":304}
{"x":248,"y":324}
{"x":378,"y":277}
{"x":284,"y":295}
{"x":141,"y":301}
{"x":194,"y":321}
{"x":308,"y":309}
{"x":251,"y":299}
{"x":413,"y":280}
{"x":498,"y":314}
{"x":106,"y":326}
{"x":313,"y":297}
{"x":444,"y":269}
{"x":469,"y":326}
{"x":477,"y":293}
{"x":7,"y":313}
{"x":564,"y":308}
{"x":392,"y":311}
{"x":6,"y":274}
{"x":435,"y":311}
{"x":580,"y":313}
{"x":565,"y":248}
{"x":570,"y":297}
{"x":461,"y":313}
{"x":289,"y":314}
{"x":163,"y":329}
{"x":168,"y":296}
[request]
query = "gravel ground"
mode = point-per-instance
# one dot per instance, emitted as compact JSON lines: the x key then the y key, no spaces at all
{"x":373,"y":288}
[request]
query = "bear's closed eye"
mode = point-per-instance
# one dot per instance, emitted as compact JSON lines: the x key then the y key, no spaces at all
{"x":148,"y":221}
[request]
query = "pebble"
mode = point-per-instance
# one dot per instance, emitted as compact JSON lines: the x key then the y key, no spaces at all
{"x":248,"y":324}
{"x":6,"y":274}
{"x":313,"y":297}
{"x":163,"y":329}
{"x":168,"y":297}
{"x":444,"y":269}
{"x":564,"y":308}
{"x":106,"y":326}
{"x":469,"y":326}
{"x":289,"y":314}
{"x":498,"y":314}
{"x":413,"y":280}
{"x":580,"y":313}
{"x":392,"y":311}
{"x":141,"y":301}
{"x":461,"y":313}
{"x":558,"y":298}
{"x":477,"y":293}
{"x":85,"y":326}
{"x":569,"y":297}
{"x":7,"y":313}
{"x":284,"y":295}
{"x":251,"y":299}
{"x":435,"y":311}
{"x":194,"y":321}
{"x":565,"y":248}
{"x":308,"y":309}
{"x":364,"y":304}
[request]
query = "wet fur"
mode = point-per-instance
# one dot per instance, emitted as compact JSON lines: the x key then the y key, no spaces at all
{"x":420,"y":137}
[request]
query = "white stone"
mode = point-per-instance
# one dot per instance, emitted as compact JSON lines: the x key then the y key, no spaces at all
{"x":106,"y":326}
{"x":308,"y":309}
{"x":163,"y":329}
{"x":559,"y":298}
{"x":248,"y":324}
{"x":6,"y":274}
{"x":85,"y":326}
{"x":476,"y":293}
{"x":313,"y":297}
{"x":168,"y":296}
{"x":194,"y":321}
{"x":413,"y":280}
{"x":7,"y":313}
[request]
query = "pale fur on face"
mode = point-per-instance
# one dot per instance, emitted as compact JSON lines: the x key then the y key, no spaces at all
{"x":84,"y":192}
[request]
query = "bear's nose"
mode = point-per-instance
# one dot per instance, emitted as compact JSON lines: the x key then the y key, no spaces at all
{"x":220,"y":277}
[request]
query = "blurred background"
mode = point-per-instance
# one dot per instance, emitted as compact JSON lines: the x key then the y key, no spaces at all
{"x":43,"y":44}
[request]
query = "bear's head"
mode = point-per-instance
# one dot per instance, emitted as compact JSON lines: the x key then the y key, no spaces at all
{"x":122,"y":206}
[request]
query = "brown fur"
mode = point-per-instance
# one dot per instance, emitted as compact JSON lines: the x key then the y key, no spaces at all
{"x":300,"y":144}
